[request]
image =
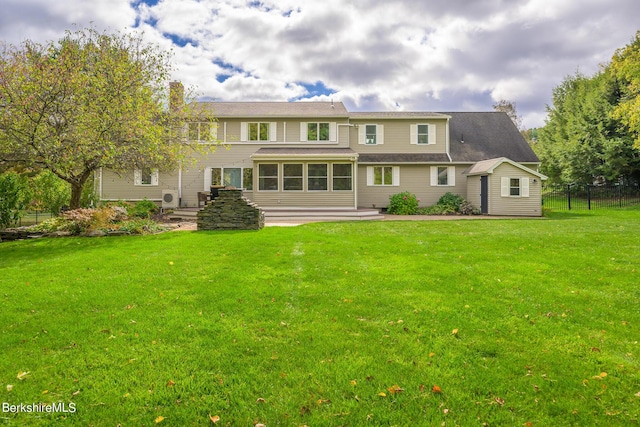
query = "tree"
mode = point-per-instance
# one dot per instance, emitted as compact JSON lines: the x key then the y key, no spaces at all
{"x":89,"y":101}
{"x":625,"y":68}
{"x":14,"y":197}
{"x":509,"y":107}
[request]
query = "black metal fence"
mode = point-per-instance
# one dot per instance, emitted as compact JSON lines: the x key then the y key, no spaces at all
{"x":579,"y":196}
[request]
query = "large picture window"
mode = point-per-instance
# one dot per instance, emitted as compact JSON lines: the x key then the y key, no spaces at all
{"x":342,"y":177}
{"x":268,"y":177}
{"x":233,"y":177}
{"x":292,"y":179}
{"x":317,"y":178}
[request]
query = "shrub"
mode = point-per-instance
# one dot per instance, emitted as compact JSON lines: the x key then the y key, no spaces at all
{"x":403,"y":203}
{"x":450,"y":204}
{"x":143,"y":209}
{"x":141,"y":226}
{"x":14,"y":196}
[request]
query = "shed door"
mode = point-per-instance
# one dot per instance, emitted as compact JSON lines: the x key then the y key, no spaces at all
{"x":484,"y":194}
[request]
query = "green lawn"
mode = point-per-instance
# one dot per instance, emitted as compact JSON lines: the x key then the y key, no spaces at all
{"x":514,"y":321}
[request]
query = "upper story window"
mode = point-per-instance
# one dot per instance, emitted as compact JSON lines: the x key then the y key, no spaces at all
{"x":371,"y":134}
{"x":423,"y":134}
{"x":202,"y":131}
{"x":258,"y":131}
{"x":322,"y":131}
{"x":317,"y":131}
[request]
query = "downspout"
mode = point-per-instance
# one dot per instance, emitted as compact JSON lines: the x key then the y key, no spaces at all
{"x":448,"y":141}
{"x":100,"y":187}
{"x":180,"y":184}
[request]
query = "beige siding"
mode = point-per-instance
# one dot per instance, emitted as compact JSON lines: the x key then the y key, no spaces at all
{"x":121,"y":186}
{"x":414,"y":179}
{"x":318,"y":199}
{"x":236,"y":156}
{"x":473,"y":191}
{"x":397,"y":137}
{"x":524,"y":206}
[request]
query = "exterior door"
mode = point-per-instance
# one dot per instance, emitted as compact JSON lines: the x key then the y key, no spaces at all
{"x":484,"y":194}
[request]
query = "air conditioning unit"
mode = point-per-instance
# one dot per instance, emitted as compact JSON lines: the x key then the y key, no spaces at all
{"x":169,"y":199}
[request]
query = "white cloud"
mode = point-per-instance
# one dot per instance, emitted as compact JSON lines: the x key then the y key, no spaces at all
{"x":375,"y":54}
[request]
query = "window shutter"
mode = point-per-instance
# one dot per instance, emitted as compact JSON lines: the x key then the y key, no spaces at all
{"x":369,"y":175}
{"x":396,"y":176}
{"x":244,"y":132}
{"x":432,"y":134}
{"x":273,"y":128}
{"x":504,"y":186}
{"x":333,"y":131}
{"x":451,"y":171}
{"x":207,"y":179}
{"x":304,"y":137}
{"x":137,"y":177}
{"x":362,"y":134}
{"x":380,"y":135}
{"x":154,"y":177}
{"x":414,"y":137}
{"x":434,"y":176}
{"x":524,"y":184}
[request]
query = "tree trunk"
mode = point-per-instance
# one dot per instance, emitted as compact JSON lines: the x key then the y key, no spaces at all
{"x":76,"y":194}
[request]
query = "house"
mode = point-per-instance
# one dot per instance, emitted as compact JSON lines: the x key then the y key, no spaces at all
{"x":318,"y":155}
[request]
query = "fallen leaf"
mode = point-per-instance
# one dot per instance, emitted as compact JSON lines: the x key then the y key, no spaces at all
{"x":159,"y":419}
{"x":431,"y":354}
{"x":9,"y":387}
{"x":260,"y":400}
{"x":126,"y":395}
{"x":214,"y":419}
{"x":637,"y":394}
{"x":45,"y":392}
{"x":170,"y":262}
{"x":454,"y":332}
{"x":170,"y":383}
{"x":421,"y":387}
{"x":382,"y":394}
{"x":436,"y":389}
{"x":22,"y":375}
{"x":445,"y":410}
{"x":75,"y":393}
{"x":395,"y":389}
{"x":353,"y":382}
{"x":499,"y":400}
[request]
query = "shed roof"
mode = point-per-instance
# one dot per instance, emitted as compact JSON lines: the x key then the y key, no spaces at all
{"x":485,"y":167}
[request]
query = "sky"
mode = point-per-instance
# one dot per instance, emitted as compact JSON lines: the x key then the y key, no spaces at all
{"x":373,"y":55}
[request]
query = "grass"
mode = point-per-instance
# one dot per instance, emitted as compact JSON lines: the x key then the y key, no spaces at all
{"x":517,"y":322}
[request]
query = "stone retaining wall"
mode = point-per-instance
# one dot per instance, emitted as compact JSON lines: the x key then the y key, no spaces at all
{"x":230,"y":211}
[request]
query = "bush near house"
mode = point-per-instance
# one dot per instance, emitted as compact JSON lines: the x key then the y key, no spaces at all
{"x":450,"y":204}
{"x":403,"y":203}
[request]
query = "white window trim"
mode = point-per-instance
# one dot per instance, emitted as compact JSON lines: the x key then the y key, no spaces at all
{"x":213,"y":132}
{"x":333,"y":176}
{"x":297,"y":176}
{"x":505,"y":186}
{"x":309,"y":177}
{"x":451,"y":176}
{"x":137,"y":178}
{"x":244,"y":132}
{"x":431,"y":134}
{"x":304,"y":132}
{"x":362,"y":134}
{"x":395,"y":180}
{"x":207,"y":175}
